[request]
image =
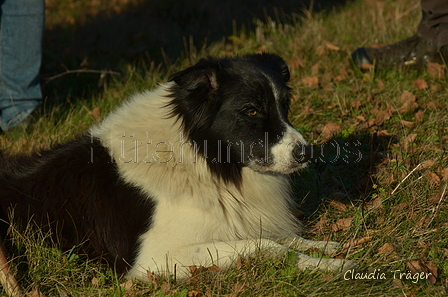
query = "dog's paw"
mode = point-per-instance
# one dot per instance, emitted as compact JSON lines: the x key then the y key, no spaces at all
{"x":330,"y":247}
{"x":348,"y":265}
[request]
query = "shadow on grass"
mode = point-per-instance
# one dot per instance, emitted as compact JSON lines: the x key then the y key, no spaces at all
{"x":343,"y":169}
{"x":153,"y":31}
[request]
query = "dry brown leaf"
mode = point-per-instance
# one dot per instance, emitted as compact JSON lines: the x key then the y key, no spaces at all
{"x":165,"y":287}
{"x":419,"y":116}
{"x":366,"y":67}
{"x":435,"y":199}
{"x":421,"y":84}
{"x":427,"y":164}
{"x":435,"y":70}
{"x":127,"y":285}
{"x":95,"y":113}
{"x":388,"y":250}
{"x":433,"y":179}
{"x":360,"y":118}
{"x":194,"y":293}
{"x":432,"y":105}
{"x":152,"y":278}
{"x":214,"y":268}
{"x":443,"y":173}
{"x":296,"y":63}
{"x":329,"y":129}
{"x":322,"y":223}
{"x":239,"y":262}
{"x":331,"y":46}
{"x":382,"y":116}
{"x":311,"y":81}
{"x":356,"y":103}
{"x":375,"y":203}
{"x":409,"y":102}
{"x":238,"y":288}
{"x":409,"y":139}
{"x":321,"y":50}
{"x":342,"y":75}
{"x":338,"y":205}
{"x":35,"y":293}
{"x":341,"y":224}
{"x":356,"y":242}
{"x":326,"y":277}
{"x":407,"y":124}
{"x":420,"y":266}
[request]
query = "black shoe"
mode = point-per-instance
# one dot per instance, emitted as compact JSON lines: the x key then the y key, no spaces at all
{"x":410,"y":53}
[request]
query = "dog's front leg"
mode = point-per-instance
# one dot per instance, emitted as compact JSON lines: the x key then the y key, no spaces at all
{"x":334,"y":265}
{"x":301,"y":244}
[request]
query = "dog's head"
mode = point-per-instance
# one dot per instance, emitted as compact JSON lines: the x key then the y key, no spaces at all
{"x":236,"y":111}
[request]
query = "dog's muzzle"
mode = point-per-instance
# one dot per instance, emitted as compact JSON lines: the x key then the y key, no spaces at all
{"x":302,"y":153}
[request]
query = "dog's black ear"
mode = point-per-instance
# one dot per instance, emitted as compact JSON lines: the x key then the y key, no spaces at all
{"x":272,"y":62}
{"x":201,"y":75}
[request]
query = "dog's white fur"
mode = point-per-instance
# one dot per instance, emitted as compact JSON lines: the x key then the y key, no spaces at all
{"x":198,"y":219}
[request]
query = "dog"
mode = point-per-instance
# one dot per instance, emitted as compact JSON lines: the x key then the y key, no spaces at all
{"x":194,"y":172}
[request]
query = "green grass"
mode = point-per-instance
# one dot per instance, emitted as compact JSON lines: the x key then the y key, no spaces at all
{"x":378,"y":182}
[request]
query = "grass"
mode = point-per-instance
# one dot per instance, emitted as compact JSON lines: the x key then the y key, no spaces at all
{"x":382,"y":177}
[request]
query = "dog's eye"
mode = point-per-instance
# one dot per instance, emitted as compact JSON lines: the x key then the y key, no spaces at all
{"x":253,"y":112}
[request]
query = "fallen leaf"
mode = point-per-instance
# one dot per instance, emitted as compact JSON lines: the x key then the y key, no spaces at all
{"x":360,"y":118}
{"x":331,"y":46}
{"x":194,"y":293}
{"x":321,"y":50}
{"x":421,"y":266}
{"x":407,"y":124}
{"x":239,"y":262}
{"x":427,"y":164}
{"x":35,"y":293}
{"x":322,"y":223}
{"x":433,"y":179}
{"x":375,"y":203}
{"x":338,"y":205}
{"x":311,"y":81}
{"x":95,"y":113}
{"x":432,"y":105}
{"x":366,"y":66}
{"x":238,"y":288}
{"x":443,"y":173}
{"x":329,"y":129}
{"x":296,"y":63}
{"x":400,"y":206}
{"x":419,"y":116}
{"x":421,"y":84}
{"x":409,"y":102}
{"x":127,"y":285}
{"x":356,"y":242}
{"x":326,"y":277}
{"x":152,"y":278}
{"x":382,"y":116}
{"x":435,"y":199}
{"x":409,"y":139}
{"x":214,"y":268}
{"x":342,"y":75}
{"x":435,"y":70}
{"x":341,"y":224}
{"x":356,"y":103}
{"x":388,"y":250}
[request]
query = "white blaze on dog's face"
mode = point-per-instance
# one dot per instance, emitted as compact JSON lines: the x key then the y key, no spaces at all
{"x":291,"y":151}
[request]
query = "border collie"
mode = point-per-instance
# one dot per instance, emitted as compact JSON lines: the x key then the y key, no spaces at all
{"x":194,"y":172}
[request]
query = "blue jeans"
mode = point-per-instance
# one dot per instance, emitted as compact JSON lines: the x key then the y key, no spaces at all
{"x":21,"y":29}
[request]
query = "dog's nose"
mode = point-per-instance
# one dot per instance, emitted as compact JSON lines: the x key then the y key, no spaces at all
{"x":302,"y":153}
